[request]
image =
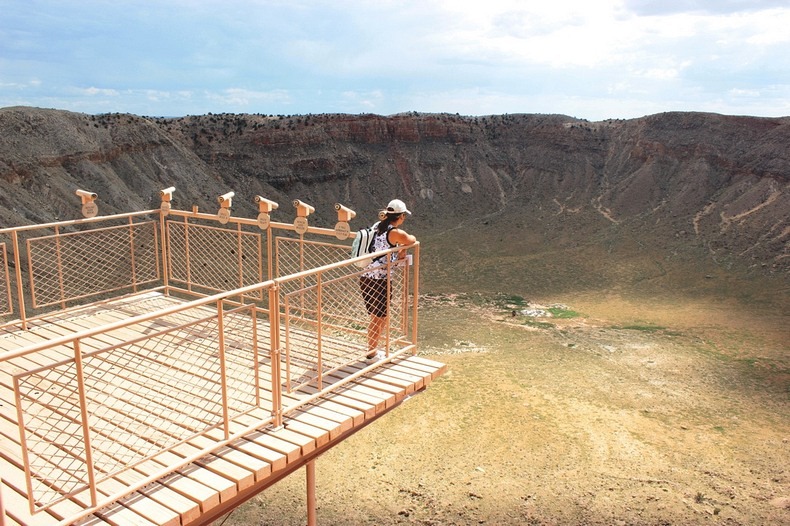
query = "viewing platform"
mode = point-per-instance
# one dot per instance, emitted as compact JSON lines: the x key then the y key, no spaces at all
{"x":164,"y":366}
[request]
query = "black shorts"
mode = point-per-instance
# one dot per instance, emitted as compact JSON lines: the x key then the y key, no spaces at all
{"x":374,"y":292}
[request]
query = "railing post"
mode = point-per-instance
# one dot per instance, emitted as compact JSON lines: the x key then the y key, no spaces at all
{"x":240,"y":258}
{"x":223,"y":368}
{"x":86,"y":430}
{"x":416,"y":289}
{"x":388,"y":305}
{"x":163,"y":246}
{"x":269,"y":253}
{"x":274,"y":339}
{"x":319,"y":332}
{"x":166,"y":195}
{"x":20,"y":417}
{"x":19,"y":290}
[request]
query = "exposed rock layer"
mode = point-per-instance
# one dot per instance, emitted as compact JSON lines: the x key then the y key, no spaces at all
{"x":673,"y":181}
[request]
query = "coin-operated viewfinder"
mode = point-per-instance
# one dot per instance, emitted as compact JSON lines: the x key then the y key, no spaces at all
{"x":344,"y":215}
{"x":302,"y":211}
{"x":225,"y":202}
{"x":89,"y":206}
{"x":265,"y":207}
{"x":166,"y":195}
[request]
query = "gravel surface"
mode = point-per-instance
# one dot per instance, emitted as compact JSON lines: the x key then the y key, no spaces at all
{"x":668,"y":411}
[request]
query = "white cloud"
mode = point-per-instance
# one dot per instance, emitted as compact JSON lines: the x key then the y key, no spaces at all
{"x":241,"y":100}
{"x":560,"y":33}
{"x":367,"y":101}
{"x":661,"y":74}
{"x":92,"y":91}
{"x":737,"y":92}
{"x":622,"y":58}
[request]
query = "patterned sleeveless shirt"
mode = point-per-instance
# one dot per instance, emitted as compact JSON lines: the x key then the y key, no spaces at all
{"x":378,"y":268}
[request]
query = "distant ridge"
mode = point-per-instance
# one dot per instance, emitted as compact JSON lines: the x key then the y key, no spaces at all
{"x":681,"y":182}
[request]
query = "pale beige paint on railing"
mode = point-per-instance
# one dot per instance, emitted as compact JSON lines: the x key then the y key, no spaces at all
{"x":313,"y":314}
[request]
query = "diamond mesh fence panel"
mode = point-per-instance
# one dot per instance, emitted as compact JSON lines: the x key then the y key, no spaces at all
{"x":241,"y":338}
{"x":76,"y":265}
{"x":5,"y":285}
{"x":216,"y":259}
{"x":53,"y":432}
{"x":296,"y":255}
{"x":142,"y":397}
{"x":328,"y":319}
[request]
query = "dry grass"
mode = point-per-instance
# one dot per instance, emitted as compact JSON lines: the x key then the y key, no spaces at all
{"x":592,"y":420}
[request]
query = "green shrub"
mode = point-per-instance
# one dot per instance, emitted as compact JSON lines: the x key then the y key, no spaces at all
{"x":563,"y":313}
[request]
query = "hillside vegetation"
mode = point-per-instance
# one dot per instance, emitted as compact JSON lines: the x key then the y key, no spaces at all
{"x":685,"y":187}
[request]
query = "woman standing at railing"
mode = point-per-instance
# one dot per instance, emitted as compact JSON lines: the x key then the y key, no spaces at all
{"x":373,"y":282}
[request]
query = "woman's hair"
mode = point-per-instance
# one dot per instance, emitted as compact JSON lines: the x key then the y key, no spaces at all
{"x":386,"y":220}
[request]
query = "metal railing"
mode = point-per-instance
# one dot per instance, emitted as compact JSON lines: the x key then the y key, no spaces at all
{"x":58,"y":265}
{"x":272,"y":312}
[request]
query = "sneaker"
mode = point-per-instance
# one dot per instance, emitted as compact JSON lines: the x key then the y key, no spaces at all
{"x":377,"y":356}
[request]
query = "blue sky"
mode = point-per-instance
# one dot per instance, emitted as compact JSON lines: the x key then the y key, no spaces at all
{"x":593,"y":59}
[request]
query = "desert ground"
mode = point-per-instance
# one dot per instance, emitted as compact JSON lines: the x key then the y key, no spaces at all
{"x":574,"y":409}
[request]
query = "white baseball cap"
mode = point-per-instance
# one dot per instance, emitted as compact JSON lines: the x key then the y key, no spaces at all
{"x":397,"y":206}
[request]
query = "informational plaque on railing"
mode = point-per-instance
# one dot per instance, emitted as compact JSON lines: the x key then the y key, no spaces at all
{"x":90,"y":210}
{"x":342,"y":230}
{"x":300,"y":225}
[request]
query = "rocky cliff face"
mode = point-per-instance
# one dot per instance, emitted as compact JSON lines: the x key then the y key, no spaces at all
{"x":676,"y":183}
